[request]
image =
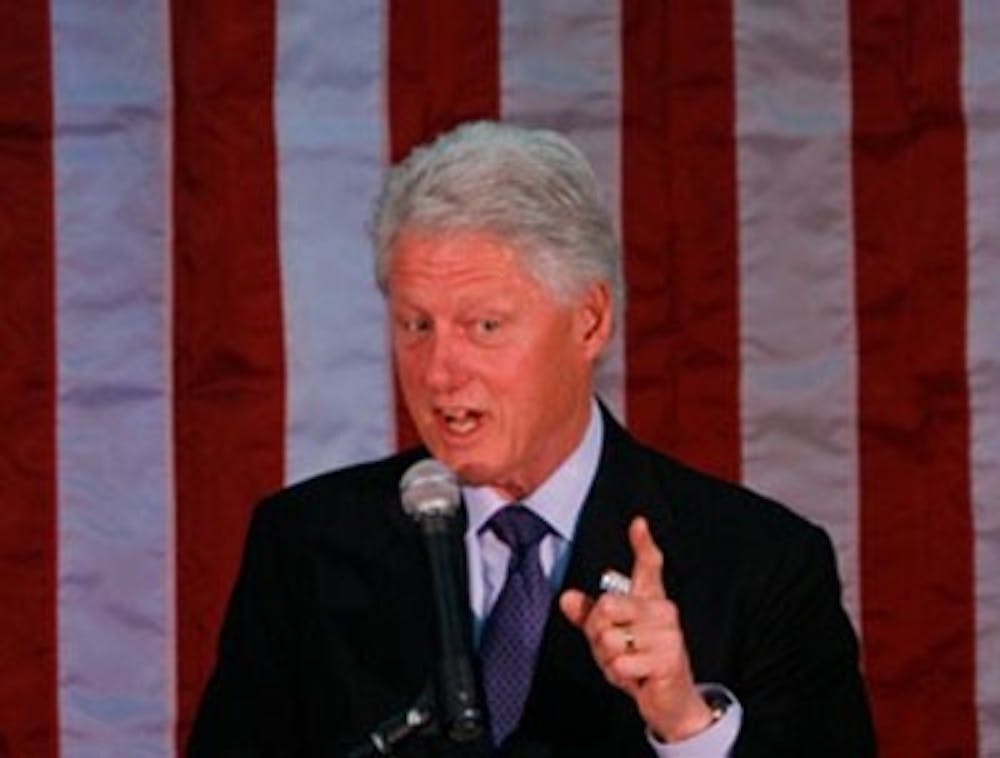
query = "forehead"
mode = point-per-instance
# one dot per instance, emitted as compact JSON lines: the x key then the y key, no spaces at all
{"x":456,"y":259}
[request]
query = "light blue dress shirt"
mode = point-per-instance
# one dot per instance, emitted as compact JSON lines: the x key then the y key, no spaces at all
{"x":559,"y":501}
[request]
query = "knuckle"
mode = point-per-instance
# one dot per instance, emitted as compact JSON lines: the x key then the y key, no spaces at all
{"x":601,"y":611}
{"x":611,"y":605}
{"x":605,"y":637}
{"x":600,"y":658}
{"x":600,"y":608}
{"x":619,"y":668}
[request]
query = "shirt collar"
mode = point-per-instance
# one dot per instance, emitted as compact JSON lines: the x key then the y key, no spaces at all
{"x":560,"y":497}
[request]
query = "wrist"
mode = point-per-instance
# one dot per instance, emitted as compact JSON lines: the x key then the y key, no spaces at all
{"x":693,"y":718}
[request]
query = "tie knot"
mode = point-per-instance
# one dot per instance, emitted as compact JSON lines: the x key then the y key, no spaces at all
{"x":518,"y":527}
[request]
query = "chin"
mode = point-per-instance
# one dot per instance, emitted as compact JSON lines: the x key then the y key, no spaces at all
{"x":471,"y":472}
{"x":473,"y":466}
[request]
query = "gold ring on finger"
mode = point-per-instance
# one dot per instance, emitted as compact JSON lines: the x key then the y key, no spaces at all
{"x":630,"y":643}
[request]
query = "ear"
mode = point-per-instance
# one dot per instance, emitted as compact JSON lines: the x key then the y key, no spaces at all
{"x":594,"y":319}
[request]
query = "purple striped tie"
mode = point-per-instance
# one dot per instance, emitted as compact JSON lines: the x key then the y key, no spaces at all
{"x":514,"y":628}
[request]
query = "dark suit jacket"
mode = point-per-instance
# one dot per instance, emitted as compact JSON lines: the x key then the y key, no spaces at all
{"x":330,"y":628}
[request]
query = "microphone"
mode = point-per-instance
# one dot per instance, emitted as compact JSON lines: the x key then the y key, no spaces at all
{"x":430,"y":495}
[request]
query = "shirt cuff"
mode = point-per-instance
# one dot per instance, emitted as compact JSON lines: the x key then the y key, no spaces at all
{"x":713,"y":742}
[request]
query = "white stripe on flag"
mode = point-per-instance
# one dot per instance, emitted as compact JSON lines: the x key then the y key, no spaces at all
{"x":560,"y":67}
{"x":330,"y":116}
{"x":799,"y":393}
{"x":115,"y":517}
{"x":981,"y":89}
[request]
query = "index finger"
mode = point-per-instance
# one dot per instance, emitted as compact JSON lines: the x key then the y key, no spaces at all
{"x":647,"y":570}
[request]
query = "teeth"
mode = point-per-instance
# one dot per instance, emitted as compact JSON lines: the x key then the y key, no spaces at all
{"x":460,"y":421}
{"x":462,"y":427}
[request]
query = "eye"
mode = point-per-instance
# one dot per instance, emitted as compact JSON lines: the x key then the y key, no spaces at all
{"x":488,"y":325}
{"x":414,"y":325}
{"x":486,"y":329}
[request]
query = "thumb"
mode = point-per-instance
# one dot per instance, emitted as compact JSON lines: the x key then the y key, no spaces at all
{"x":575,"y":606}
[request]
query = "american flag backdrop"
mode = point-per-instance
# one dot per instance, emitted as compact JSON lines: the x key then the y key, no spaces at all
{"x":808,"y":192}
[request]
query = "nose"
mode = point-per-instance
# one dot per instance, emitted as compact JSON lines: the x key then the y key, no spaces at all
{"x":445,"y":369}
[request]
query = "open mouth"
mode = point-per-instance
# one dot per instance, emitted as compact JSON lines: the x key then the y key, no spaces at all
{"x":460,"y":421}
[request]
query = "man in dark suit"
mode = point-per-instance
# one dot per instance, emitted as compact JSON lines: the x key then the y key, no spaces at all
{"x":501,"y":274}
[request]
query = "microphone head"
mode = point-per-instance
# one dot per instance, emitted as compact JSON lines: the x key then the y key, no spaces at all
{"x":429,"y":488}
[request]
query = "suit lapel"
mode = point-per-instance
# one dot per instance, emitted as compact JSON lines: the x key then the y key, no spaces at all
{"x":569,"y":694}
{"x":623,"y":489}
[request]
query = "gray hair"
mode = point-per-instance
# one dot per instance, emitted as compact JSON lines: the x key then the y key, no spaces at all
{"x":531,"y":188}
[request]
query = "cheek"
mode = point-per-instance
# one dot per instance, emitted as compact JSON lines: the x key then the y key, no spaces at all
{"x":528,"y":390}
{"x":560,"y":380}
{"x":408,"y":367}
{"x":409,"y":373}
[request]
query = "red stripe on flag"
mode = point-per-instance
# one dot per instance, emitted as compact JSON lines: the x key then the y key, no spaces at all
{"x":679,"y":228}
{"x":229,"y":365}
{"x":443,"y":69}
{"x":28,"y":698}
{"x":916,"y":533}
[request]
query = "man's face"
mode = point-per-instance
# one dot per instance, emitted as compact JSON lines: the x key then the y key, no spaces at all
{"x":496,"y":371}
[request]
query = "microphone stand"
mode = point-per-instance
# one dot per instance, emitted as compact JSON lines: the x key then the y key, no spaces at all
{"x":397,"y":728}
